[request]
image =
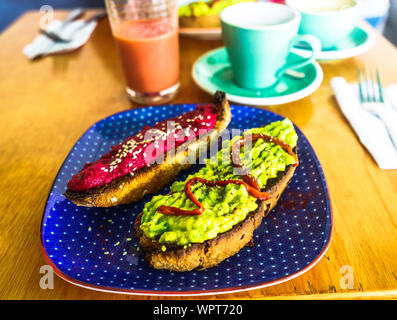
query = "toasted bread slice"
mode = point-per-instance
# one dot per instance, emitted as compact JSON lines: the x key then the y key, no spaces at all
{"x":212,"y":252}
{"x":208,"y":21}
{"x":127,"y":189}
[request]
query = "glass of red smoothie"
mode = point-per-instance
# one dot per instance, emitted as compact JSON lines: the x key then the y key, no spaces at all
{"x":146,"y":35}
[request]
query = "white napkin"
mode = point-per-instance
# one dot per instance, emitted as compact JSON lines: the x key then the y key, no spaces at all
{"x":78,"y":31}
{"x":370,"y":129}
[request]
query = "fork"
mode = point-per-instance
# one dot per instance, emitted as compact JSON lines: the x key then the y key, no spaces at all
{"x":372,"y":100}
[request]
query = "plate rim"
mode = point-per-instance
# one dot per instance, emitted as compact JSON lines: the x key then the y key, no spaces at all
{"x":332,"y":55}
{"x":268,"y":101}
{"x":201,"y":33}
{"x":140,"y":292}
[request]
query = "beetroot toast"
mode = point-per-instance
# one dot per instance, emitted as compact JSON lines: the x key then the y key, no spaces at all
{"x":149,"y":179}
{"x":200,"y":255}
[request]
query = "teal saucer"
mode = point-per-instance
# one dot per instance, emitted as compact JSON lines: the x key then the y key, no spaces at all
{"x":360,"y":40}
{"x":212,"y":72}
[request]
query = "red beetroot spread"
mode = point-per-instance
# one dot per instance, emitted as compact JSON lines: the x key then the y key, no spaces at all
{"x":142,"y":149}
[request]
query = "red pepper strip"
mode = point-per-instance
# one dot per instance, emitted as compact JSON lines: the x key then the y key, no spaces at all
{"x":235,"y":151}
{"x":223,"y":183}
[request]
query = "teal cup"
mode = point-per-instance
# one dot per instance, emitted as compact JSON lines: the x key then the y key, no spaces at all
{"x":330,"y":21}
{"x":259,"y":38}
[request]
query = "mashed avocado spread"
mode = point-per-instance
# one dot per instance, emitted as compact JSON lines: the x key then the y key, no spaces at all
{"x":224,"y":206}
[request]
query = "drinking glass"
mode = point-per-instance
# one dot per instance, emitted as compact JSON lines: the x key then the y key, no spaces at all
{"x":146,"y":36}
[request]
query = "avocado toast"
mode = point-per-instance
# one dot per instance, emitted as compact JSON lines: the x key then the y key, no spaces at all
{"x":230,"y":212}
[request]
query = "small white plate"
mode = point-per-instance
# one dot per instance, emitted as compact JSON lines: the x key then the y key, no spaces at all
{"x":202,"y":33}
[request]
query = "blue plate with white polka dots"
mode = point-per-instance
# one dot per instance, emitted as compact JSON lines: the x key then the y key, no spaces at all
{"x":96,"y":247}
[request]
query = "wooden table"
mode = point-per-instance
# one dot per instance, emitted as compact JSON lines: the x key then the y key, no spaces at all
{"x":47,"y":104}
